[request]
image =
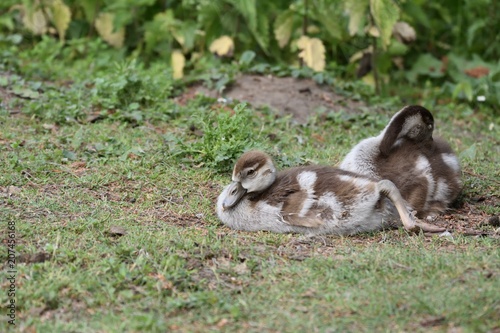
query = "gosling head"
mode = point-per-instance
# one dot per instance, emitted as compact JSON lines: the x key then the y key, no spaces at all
{"x":254,"y":172}
{"x":414,"y":123}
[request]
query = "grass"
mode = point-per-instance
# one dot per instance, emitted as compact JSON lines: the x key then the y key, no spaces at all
{"x":116,"y":229}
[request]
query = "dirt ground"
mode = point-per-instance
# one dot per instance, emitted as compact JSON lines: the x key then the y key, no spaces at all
{"x":285,"y":95}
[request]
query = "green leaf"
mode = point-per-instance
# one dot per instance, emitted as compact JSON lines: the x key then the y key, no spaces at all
{"x":417,"y":13}
{"x":90,"y":9}
{"x":158,"y":32}
{"x":257,"y":24}
{"x":261,"y":34}
{"x":25,"y":93}
{"x":471,"y":31}
{"x":357,"y":10}
{"x":188,"y":30}
{"x":463,"y":89}
{"x":247,"y":9}
{"x":427,"y":65}
{"x":385,"y":14}
{"x":247,"y":57}
{"x":397,"y":48}
{"x":69,"y":155}
{"x":283,"y":27}
{"x":330,"y":21}
{"x":7,"y":22}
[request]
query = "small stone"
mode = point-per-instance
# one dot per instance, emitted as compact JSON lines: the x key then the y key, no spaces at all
{"x":13,"y":190}
{"x":446,"y":234}
{"x":116,"y":230}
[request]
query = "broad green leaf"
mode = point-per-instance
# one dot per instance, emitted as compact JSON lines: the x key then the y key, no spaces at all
{"x":396,"y":48}
{"x":105,"y":28}
{"x":332,"y":25}
{"x":261,"y":34}
{"x":247,"y":9}
{"x":385,"y":14}
{"x":178,"y":62}
{"x":357,"y":10}
{"x":463,"y":89}
{"x":246,"y":58}
{"x":61,"y":15}
{"x":89,"y":9}
{"x":426,"y":64}
{"x":222,"y":46}
{"x":158,"y":34}
{"x":283,"y":27}
{"x":189,"y":31}
{"x":70,"y":155}
{"x":257,"y":24}
{"x":25,"y":93}
{"x":312,"y":52}
{"x":7,"y":22}
{"x":471,"y":31}
{"x":416,"y":10}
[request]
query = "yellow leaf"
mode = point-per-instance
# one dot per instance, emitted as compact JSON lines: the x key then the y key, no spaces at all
{"x":369,"y":79}
{"x":61,"y":15}
{"x":222,"y":46}
{"x":178,"y":62}
{"x":313,"y":29}
{"x":373,"y":31}
{"x":312,"y":52}
{"x":404,"y":32}
{"x":358,"y":55}
{"x":35,"y":21}
{"x":105,"y":28}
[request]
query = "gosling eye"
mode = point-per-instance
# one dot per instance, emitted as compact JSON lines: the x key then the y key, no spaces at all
{"x":251,"y":173}
{"x":233,"y":192}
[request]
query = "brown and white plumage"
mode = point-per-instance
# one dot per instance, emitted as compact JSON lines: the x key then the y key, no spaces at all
{"x":310,"y":200}
{"x":424,"y":168}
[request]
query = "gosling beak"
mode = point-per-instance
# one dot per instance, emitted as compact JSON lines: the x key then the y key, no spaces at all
{"x":234,"y":193}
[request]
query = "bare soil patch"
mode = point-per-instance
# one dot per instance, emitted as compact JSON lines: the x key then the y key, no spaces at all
{"x":286,"y":95}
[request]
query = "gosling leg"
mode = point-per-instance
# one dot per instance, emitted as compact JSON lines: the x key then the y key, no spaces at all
{"x":387,"y":188}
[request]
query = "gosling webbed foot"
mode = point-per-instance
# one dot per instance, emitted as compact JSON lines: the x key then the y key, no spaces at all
{"x":425,"y":227}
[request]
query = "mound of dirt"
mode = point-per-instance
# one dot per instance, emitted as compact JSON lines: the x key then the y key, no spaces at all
{"x":286,"y":95}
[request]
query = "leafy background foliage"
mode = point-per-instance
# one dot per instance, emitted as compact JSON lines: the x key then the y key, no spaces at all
{"x":455,"y":45}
